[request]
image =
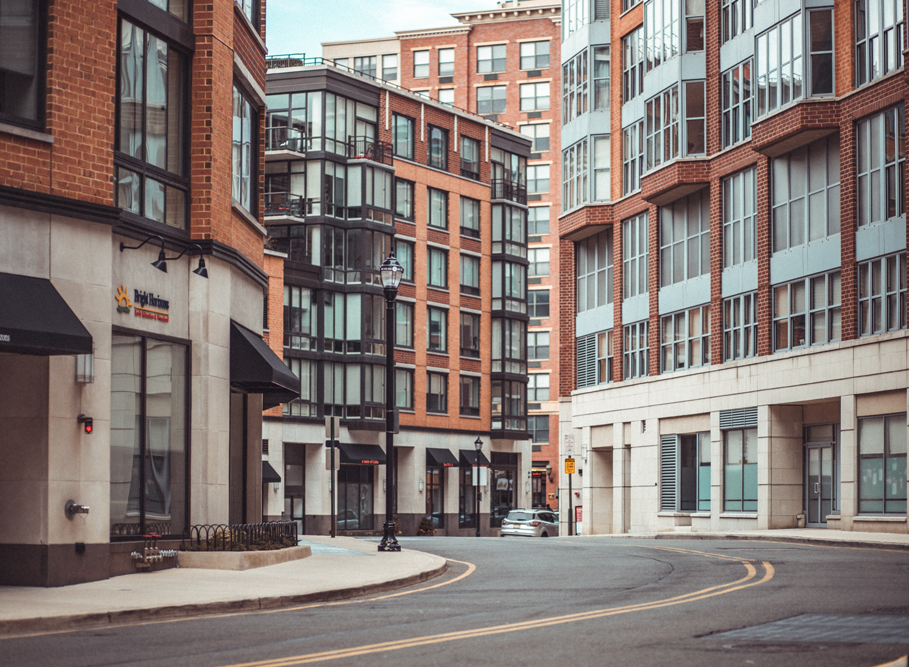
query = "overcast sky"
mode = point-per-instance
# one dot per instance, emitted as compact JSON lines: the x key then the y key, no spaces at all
{"x":300,"y":26}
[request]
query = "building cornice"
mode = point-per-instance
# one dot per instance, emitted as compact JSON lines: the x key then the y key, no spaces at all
{"x":432,"y":32}
{"x":510,"y":14}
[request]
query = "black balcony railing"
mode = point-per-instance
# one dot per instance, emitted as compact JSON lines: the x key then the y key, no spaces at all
{"x":284,"y":139}
{"x":365,"y":148}
{"x":505,"y":189}
{"x":284,"y":203}
{"x":295,"y":247}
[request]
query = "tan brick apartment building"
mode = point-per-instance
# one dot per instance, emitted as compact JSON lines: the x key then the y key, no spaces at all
{"x":129,"y":388}
{"x":733,"y":312}
{"x":503,"y":63}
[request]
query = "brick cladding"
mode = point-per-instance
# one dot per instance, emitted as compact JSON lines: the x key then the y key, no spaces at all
{"x":796,"y":125}
{"x":274,"y":320}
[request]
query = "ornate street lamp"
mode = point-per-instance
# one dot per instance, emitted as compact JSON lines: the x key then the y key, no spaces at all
{"x":478,"y":443}
{"x":391,"y":272}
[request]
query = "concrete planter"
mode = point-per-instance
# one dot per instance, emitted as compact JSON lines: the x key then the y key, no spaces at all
{"x":239,"y":560}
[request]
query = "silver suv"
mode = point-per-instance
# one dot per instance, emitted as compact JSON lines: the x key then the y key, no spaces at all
{"x":531,"y":523}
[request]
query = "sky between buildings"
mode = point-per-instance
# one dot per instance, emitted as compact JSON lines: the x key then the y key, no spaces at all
{"x":300,"y":26}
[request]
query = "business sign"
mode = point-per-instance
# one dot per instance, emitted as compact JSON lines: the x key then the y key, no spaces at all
{"x":144,"y":304}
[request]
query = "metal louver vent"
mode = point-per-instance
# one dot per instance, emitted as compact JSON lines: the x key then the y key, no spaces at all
{"x":587,"y":361}
{"x":668,"y":472}
{"x":601,"y":10}
{"x":741,"y":418}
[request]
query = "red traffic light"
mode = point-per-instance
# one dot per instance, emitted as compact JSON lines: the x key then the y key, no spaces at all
{"x":87,"y":424}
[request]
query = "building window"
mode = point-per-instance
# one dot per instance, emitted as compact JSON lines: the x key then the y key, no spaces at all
{"x":404,"y":199}
{"x":602,"y":160}
{"x":470,"y":158}
{"x":509,"y":230}
{"x":420,"y":64}
{"x":341,"y":62}
{"x":882,"y":464}
{"x":634,"y":255}
{"x":740,"y":478}
{"x":736,"y":98}
{"x":628,"y":4}
{"x":151,"y":137}
{"x":491,"y":99}
{"x":538,"y":345}
{"x":685,"y":473}
{"x":538,"y":220}
{"x":806,"y":194}
{"x":467,"y":494}
{"x":509,"y":407}
{"x":509,"y":346}
{"x":694,"y":25}
{"x":470,"y":275}
{"x":509,"y":287}
{"x":23,"y":63}
{"x":538,"y":387}
{"x":250,"y":9}
{"x":820,"y":51}
{"x":447,"y":96}
{"x":574,"y":175}
{"x":437,"y":392}
{"x":594,"y":271}
{"x":538,"y":178}
{"x":685,"y":339}
{"x":632,"y":157}
{"x":695,"y":118}
{"x":574,"y":87}
{"x":437,"y":267}
{"x":595,"y":359}
{"x":661,"y":20}
{"x":470,"y":396}
{"x":605,"y":355}
{"x":539,"y":135}
{"x":535,"y":55}
{"x":882,"y":295}
{"x":246,"y":128}
{"x":535,"y":96}
{"x":635,"y":350}
{"x":300,"y":318}
{"x":662,"y":127}
{"x":739,"y":218}
{"x":438,"y":208}
{"x":436,"y":329}
{"x":735,"y":18}
{"x":685,"y":239}
{"x":779,"y":65}
{"x":538,"y":425}
{"x":438,"y":148}
{"x":491,"y":58}
{"x":435,"y":495}
{"x":538,"y":303}
{"x":355,"y":497}
{"x":404,"y":388}
{"x":807,"y":307}
{"x":446,"y":62}
{"x":402,"y":131}
{"x":470,"y":217}
{"x":390,"y":67}
{"x":149,"y":436}
{"x":632,"y":64}
{"x":365,"y":65}
{"x":601,"y":78}
{"x":878,"y":38}
{"x":880,"y":166}
{"x":307,"y":404}
{"x":740,"y":327}
{"x":539,"y":262}
{"x":403,"y":324}
{"x":470,"y":334}
{"x":404,"y":255}
{"x":574,"y":16}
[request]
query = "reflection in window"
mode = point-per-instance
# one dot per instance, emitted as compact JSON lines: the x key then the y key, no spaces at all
{"x":807,"y":312}
{"x":879,"y":30}
{"x":740,"y":470}
{"x":882,"y":464}
{"x":880,"y":166}
{"x":882,"y":295}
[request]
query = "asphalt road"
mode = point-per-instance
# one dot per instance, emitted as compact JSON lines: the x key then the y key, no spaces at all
{"x":524,"y":601}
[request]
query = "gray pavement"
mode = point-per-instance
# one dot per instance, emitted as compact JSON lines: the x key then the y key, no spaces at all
{"x":337,"y":569}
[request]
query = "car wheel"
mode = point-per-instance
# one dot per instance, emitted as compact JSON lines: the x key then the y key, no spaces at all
{"x":545,"y":535}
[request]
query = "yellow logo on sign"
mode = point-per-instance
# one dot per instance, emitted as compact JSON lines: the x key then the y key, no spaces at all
{"x":121,"y":297}
{"x":569,"y":466}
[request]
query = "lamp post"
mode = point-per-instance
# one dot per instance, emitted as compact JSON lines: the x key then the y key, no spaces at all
{"x":478,"y":444}
{"x":391,"y":272}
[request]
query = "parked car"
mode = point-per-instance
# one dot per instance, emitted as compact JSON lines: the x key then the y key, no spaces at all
{"x":531,"y":523}
{"x":348,"y":520}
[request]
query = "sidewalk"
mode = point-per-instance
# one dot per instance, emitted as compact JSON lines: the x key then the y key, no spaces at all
{"x":816,"y":536}
{"x":338,"y":568}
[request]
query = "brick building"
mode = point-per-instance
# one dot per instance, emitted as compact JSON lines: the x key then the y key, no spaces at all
{"x":734,"y":350}
{"x":355,"y":168}
{"x":129,"y":385}
{"x":502,"y":63}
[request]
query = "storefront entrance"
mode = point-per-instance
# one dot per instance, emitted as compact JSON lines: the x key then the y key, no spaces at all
{"x":294,"y":488}
{"x":821,"y":474}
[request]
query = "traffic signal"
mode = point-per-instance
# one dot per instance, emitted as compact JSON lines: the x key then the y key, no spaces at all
{"x":87,"y":424}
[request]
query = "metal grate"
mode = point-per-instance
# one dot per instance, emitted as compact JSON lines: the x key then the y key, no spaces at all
{"x":668,"y":473}
{"x":741,"y":418}
{"x":601,"y":10}
{"x":587,"y":361}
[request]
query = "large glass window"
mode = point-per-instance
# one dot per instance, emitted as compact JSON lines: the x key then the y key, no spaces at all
{"x":538,"y":387}
{"x":535,"y":55}
{"x":735,"y":17}
{"x":420,"y":64}
{"x":635,"y":350}
{"x":632,"y":64}
{"x":509,"y":230}
{"x":574,"y":175}
{"x":438,"y":148}
{"x":491,"y":58}
{"x":355,"y":497}
{"x":470,"y":275}
{"x":736,"y":99}
{"x":404,"y":255}
{"x":538,"y":178}
{"x":535,"y":96}
{"x":509,"y":406}
{"x":601,"y":78}
{"x":150,"y":156}
{"x":685,"y":473}
{"x":470,"y":158}
{"x":446,"y":62}
{"x":538,"y":303}
{"x":307,"y":404}
{"x":820,"y":52}
{"x":436,"y":329}
{"x":404,"y":388}
{"x":882,"y":464}
{"x":538,"y":345}
{"x":22,"y":63}
{"x":878,"y":38}
{"x":365,"y":65}
{"x":538,"y":220}
{"x":663,"y":25}
{"x":300,"y":318}
{"x":602,"y":163}
{"x":882,"y":295}
{"x":694,"y":25}
{"x":662,"y":127}
{"x":470,"y":334}
{"x":149,"y":437}
{"x":574,"y":87}
{"x":509,"y":287}
{"x":632,"y":157}
{"x":740,"y":478}
{"x":807,"y":312}
{"x":539,"y":134}
{"x":437,"y":392}
{"x":404,"y":199}
{"x":390,"y":67}
{"x":685,"y":339}
{"x":575,"y":15}
{"x":880,"y":166}
{"x":779,"y":65}
{"x":470,"y":217}
{"x":470,"y":395}
{"x":685,"y":239}
{"x":594,"y":271}
{"x":806,"y":194}
{"x":739,"y":218}
{"x":435,"y":495}
{"x":509,"y":346}
{"x":403,"y":323}
{"x":491,"y":99}
{"x":437,"y":267}
{"x":402,"y":136}
{"x":437,"y":208}
{"x":740,"y":327}
{"x":538,"y":425}
{"x":634,"y":255}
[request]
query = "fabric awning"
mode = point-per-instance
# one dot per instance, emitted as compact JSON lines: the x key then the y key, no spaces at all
{"x":440,"y":458}
{"x":256,"y":369}
{"x":468,"y":457}
{"x":362,"y":454}
{"x":35,"y":319}
{"x":269,"y":474}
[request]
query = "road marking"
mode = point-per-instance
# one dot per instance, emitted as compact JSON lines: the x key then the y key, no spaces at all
{"x":93,"y":628}
{"x":722,"y":589}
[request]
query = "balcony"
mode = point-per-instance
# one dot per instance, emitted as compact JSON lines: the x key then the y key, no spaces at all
{"x":505,"y":189}
{"x":365,"y":148}
{"x":285,"y":204}
{"x":284,"y":139}
{"x":296,"y":249}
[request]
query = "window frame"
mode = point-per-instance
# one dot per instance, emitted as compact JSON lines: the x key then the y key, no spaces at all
{"x":535,"y":56}
{"x":536,"y":387}
{"x":535,"y":305}
{"x":423,"y":71}
{"x":469,"y":395}
{"x":882,"y":295}
{"x":866,"y":35}
{"x":537,"y":101}
{"x":736,"y":17}
{"x":740,"y":327}
{"x":633,"y":64}
{"x":787,"y":323}
{"x":404,"y":390}
{"x":886,"y":457}
{"x":746,"y":500}
{"x":465,"y":205}
{"x":497,"y":102}
{"x":470,"y":324}
{"x":635,"y":253}
{"x":632,"y":157}
{"x":400,"y":122}
{"x":471,"y":273}
{"x":404,"y":324}
{"x":39,"y":97}
{"x":497,"y":58}
{"x":437,"y":155}
{"x":406,"y":259}
{"x":449,"y":63}
{"x":534,"y":225}
{"x":636,"y":350}
{"x":739,"y":211}
{"x":681,"y":346}
{"x":538,"y":261}
{"x":538,"y":345}
{"x":404,"y":205}
{"x":736,"y":103}
{"x":872,"y":136}
{"x":439,"y":383}
{"x":540,"y":144}
{"x":436,"y":267}
{"x":436,"y":208}
{"x":679,"y":251}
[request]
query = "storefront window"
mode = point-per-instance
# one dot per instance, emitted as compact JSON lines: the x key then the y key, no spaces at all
{"x":502,"y":476}
{"x":435,"y":492}
{"x":355,"y":497}
{"x":740,"y":477}
{"x":466,"y":498}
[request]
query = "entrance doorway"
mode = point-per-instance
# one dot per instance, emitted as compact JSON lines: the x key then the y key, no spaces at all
{"x":821,"y":474}
{"x":294,"y":487}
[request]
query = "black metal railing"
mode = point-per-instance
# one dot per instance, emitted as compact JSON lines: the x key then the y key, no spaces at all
{"x":505,"y":189}
{"x":365,"y":148}
{"x":294,"y":247}
{"x":241,"y":536}
{"x":280,"y":138}
{"x":284,"y":203}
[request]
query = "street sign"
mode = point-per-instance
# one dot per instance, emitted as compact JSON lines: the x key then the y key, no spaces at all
{"x":332,"y":428}
{"x":569,"y":444}
{"x":569,"y":466}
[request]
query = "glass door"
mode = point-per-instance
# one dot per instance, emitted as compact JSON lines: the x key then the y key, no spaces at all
{"x":821,"y":474}
{"x":294,"y":485}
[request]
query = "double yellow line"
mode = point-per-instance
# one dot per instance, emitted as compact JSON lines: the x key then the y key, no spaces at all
{"x":745,"y":582}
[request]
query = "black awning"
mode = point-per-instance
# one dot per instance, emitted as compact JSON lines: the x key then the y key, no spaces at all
{"x":256,"y":369}
{"x":362,"y":454}
{"x":469,"y":458}
{"x":34,"y":319}
{"x":269,"y":474}
{"x":440,"y":458}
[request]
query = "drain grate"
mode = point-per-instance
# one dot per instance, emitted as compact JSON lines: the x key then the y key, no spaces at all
{"x":827,"y":628}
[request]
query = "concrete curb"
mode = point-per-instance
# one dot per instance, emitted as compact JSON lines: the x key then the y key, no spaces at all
{"x":239,"y":560}
{"x":815,"y":541}
{"x":438,"y":567}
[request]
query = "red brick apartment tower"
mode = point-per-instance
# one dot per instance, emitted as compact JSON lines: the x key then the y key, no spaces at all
{"x":122,"y":125}
{"x":755,"y":228}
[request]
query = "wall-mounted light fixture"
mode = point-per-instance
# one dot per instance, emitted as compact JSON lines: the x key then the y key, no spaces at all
{"x":72,"y":509}
{"x":421,"y":486}
{"x":85,"y":368}
{"x":161,"y":262}
{"x":549,"y":472}
{"x":526,"y":487}
{"x":199,"y":270}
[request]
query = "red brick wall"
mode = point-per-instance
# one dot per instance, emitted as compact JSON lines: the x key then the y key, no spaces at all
{"x":274,"y":333}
